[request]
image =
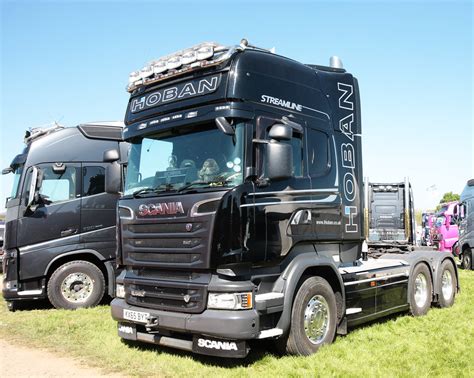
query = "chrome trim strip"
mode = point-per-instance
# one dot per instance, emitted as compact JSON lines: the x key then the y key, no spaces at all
{"x":30,"y":292}
{"x":326,"y":200}
{"x":129,"y":209}
{"x":33,"y":246}
{"x":376,"y":279}
{"x":282,"y":193}
{"x":193,"y":213}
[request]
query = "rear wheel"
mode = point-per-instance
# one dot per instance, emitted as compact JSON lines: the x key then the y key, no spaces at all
{"x":466,"y":262}
{"x":448,"y":284}
{"x":421,"y":290}
{"x":76,"y":284}
{"x":313,"y":317}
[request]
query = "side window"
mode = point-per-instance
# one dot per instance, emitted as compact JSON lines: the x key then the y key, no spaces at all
{"x":93,"y":180}
{"x":58,"y":187}
{"x":318,"y":152}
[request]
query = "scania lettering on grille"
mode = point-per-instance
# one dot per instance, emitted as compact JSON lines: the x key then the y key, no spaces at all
{"x":179,"y":92}
{"x":162,"y":208}
{"x":213,"y":344}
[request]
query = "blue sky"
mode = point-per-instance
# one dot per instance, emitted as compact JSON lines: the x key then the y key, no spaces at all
{"x":69,"y":62}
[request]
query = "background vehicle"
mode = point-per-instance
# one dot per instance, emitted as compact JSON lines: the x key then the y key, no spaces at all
{"x":465,"y":218}
{"x":60,"y":224}
{"x":427,"y":220}
{"x":254,"y":227}
{"x":444,"y":232}
{"x":391,"y":218}
{"x":2,"y":233}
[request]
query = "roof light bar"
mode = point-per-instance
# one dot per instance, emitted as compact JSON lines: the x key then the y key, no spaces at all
{"x":203,"y":55}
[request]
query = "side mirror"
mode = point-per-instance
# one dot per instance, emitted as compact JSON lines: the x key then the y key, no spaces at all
{"x":111,"y":156}
{"x":280,"y":132}
{"x":447,"y":220}
{"x":113,"y":177}
{"x":33,"y":190}
{"x":278,"y":161}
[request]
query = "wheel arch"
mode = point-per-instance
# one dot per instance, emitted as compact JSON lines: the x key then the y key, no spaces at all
{"x":89,"y":255}
{"x":303,"y":266}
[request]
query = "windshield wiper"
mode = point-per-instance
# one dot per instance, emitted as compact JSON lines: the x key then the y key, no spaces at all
{"x":209,"y":183}
{"x":158,"y":189}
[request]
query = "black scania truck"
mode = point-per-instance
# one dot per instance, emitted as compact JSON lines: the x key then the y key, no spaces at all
{"x":60,"y":223}
{"x":242,"y":216}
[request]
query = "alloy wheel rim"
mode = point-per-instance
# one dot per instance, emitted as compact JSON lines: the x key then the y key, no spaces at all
{"x":447,"y":284}
{"x":316,"y":319}
{"x":421,"y":290}
{"x":77,"y":287}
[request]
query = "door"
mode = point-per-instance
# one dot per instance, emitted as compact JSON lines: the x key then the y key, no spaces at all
{"x":281,"y":207}
{"x":97,"y":211}
{"x":57,"y":215}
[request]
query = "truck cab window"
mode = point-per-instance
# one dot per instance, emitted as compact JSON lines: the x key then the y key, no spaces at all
{"x":93,"y":180}
{"x":297,"y":145}
{"x":58,"y":187}
{"x":318,"y":152}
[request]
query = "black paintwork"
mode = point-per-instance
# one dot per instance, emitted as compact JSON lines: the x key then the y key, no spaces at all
{"x":83,"y":226}
{"x":269,"y":233}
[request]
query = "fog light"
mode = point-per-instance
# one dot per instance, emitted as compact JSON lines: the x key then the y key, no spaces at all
{"x":230,"y":301}
{"x":120,"y":291}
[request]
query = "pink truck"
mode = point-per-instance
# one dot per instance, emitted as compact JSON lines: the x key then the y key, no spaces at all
{"x":444,"y":231}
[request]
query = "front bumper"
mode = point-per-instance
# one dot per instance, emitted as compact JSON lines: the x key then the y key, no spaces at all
{"x":213,"y":332}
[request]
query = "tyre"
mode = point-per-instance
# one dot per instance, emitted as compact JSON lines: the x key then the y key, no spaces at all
{"x":466,"y":262}
{"x":448,"y":284}
{"x":421,"y":291}
{"x":13,"y":305}
{"x":76,"y":284}
{"x":313,"y":317}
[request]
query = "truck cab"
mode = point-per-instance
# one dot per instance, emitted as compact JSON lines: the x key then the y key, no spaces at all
{"x":242,"y":215}
{"x":60,"y":223}
{"x":444,"y":232}
{"x":391,"y":218}
{"x":464,"y":215}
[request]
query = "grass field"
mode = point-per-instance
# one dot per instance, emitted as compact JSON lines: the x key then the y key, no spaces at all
{"x":439,"y":344}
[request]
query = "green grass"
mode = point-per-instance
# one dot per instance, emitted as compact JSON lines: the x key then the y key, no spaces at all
{"x":438,"y":344}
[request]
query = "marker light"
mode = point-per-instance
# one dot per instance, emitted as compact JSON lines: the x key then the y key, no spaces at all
{"x":159,"y":66}
{"x":133,"y":77}
{"x":189,"y":56}
{"x":173,"y":62}
{"x":205,"y":52}
{"x":146,"y":71}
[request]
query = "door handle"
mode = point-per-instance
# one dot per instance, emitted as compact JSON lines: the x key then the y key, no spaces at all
{"x":68,"y":232}
{"x":302,"y":217}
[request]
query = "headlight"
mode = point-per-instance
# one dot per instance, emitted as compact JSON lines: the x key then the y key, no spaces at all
{"x":120,"y":291}
{"x":230,"y":301}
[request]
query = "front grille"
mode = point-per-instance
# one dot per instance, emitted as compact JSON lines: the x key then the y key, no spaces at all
{"x":182,"y":297}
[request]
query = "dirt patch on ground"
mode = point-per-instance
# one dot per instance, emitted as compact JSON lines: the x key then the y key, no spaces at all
{"x":20,"y":361}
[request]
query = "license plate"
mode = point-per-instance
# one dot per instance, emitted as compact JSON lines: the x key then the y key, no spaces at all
{"x":136,"y":316}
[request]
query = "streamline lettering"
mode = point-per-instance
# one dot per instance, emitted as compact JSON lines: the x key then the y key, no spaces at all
{"x":283,"y":103}
{"x":179,"y":92}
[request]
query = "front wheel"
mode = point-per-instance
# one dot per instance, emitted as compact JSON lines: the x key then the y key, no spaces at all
{"x":421,"y":290}
{"x":466,"y":262}
{"x":76,"y":284}
{"x":313,"y":317}
{"x":448,"y":284}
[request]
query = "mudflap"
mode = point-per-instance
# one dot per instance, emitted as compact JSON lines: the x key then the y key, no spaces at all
{"x":219,"y":347}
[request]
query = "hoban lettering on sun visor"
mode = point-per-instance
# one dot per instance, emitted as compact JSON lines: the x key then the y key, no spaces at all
{"x":177,"y":92}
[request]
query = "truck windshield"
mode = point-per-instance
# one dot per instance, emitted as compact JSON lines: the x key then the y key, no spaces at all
{"x":204,"y":157}
{"x":16,"y":181}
